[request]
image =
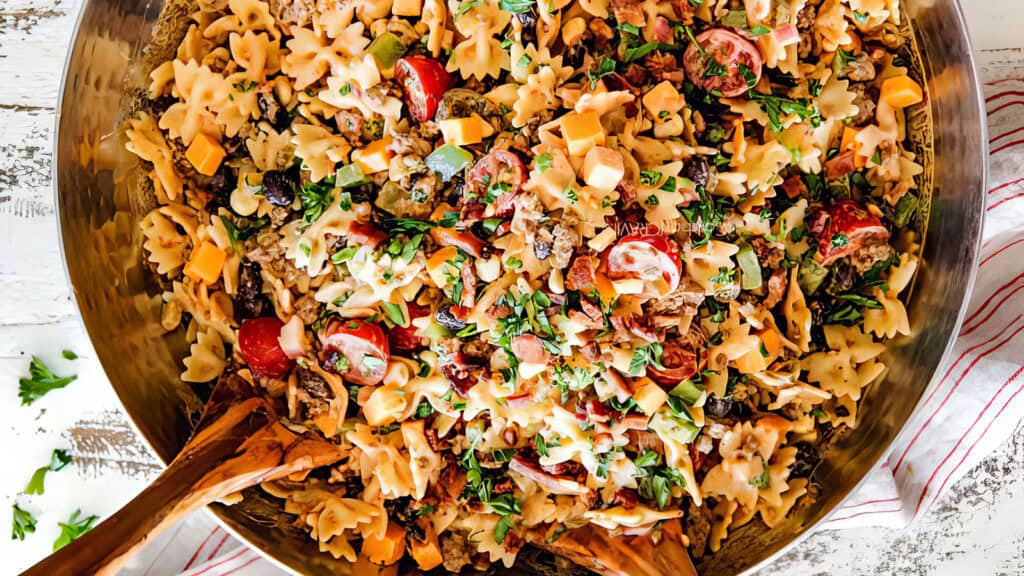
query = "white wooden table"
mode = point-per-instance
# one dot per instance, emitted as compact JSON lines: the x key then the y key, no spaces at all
{"x":976,"y":529}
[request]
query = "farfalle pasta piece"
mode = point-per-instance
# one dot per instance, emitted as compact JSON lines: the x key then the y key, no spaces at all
{"x":147,"y":142}
{"x":705,"y":263}
{"x":798,"y":315}
{"x":206,"y":360}
{"x":479,"y":56}
{"x":310,"y":55}
{"x":319,"y":149}
{"x":836,"y":102}
{"x":167,"y":248}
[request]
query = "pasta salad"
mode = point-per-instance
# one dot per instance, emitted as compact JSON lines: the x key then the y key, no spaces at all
{"x":537,"y":265}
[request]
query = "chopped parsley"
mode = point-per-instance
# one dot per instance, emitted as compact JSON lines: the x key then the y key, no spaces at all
{"x":315,"y":198}
{"x":655,"y":481}
{"x":424,"y":410}
{"x":69,"y":355}
{"x":40,"y":382}
{"x":516,"y":6}
{"x":606,"y":67}
{"x":776,"y":107}
{"x":242,"y":233}
{"x":644,"y":356}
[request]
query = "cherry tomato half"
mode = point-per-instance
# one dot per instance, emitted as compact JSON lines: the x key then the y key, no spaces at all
{"x":680,"y":360}
{"x":425,"y":82}
{"x":404,"y":338}
{"x":259,"y":346}
{"x":844,"y":228}
{"x":648,"y":256}
{"x":364,"y":347}
{"x":729,"y":50}
{"x":498,"y":175}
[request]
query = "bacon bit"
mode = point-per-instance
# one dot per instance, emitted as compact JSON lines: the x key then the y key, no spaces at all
{"x":841,"y":165}
{"x":635,"y":325}
{"x":432,"y":440}
{"x":519,"y":401}
{"x":603,"y":442}
{"x":452,"y":481}
{"x":511,"y":435}
{"x":664,"y":66}
{"x":591,"y":316}
{"x":528,"y":348}
{"x":636,"y":75}
{"x":581,"y":274}
{"x":498,"y":312}
{"x":550,"y":482}
{"x":696,"y":456}
{"x":794,"y":187}
{"x":465,"y":241}
{"x":569,"y":468}
{"x":468,"y":287}
{"x":622,"y":389}
{"x":503,"y":487}
{"x":662,"y":31}
{"x":593,"y":411}
{"x":513,"y":542}
{"x":628,"y":11}
{"x":350,"y":124}
{"x":684,"y":10}
{"x":460,"y":374}
{"x":625,"y":498}
{"x":777,"y":284}
{"x":366,"y":234}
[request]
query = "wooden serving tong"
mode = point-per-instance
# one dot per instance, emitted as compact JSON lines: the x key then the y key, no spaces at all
{"x":239,"y":443}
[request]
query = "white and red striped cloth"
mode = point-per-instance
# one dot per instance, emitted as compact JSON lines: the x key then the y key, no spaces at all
{"x":969,"y":411}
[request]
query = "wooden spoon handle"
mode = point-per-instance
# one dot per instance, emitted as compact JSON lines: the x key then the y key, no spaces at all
{"x":106,"y":547}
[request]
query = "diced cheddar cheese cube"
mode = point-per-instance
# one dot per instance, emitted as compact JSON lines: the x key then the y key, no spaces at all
{"x":438,"y":267}
{"x":850,"y":142}
{"x":375,"y":157}
{"x":206,"y":263}
{"x":603,"y":168}
{"x":767,"y":352}
{"x":463,"y":131}
{"x":205,"y":154}
{"x":648,"y":395}
{"x":407,"y":7}
{"x":663,"y":97}
{"x":582,"y":132}
{"x":901,"y":91}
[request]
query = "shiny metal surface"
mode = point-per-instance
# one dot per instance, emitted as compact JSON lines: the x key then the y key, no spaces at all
{"x":100,"y":206}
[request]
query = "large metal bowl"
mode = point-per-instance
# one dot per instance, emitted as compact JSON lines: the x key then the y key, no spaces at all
{"x":100,"y":208}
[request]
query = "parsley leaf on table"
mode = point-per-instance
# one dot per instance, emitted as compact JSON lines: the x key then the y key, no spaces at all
{"x":23,"y":523}
{"x":40,"y":381}
{"x":73,"y":529}
{"x":58,"y":460}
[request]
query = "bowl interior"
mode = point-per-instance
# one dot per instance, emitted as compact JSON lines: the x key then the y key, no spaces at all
{"x":100,"y":207}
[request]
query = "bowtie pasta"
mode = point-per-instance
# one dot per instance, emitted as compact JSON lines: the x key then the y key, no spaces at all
{"x":538,"y":265}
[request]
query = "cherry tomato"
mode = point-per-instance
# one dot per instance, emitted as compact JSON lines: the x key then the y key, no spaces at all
{"x":425,"y":82}
{"x":404,"y":338}
{"x":364,"y":347}
{"x":844,"y":228}
{"x":648,"y":256}
{"x":529,"y":349}
{"x":259,"y":346}
{"x":680,"y":360}
{"x":366,"y":234}
{"x":500,"y":174}
{"x":729,"y":50}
